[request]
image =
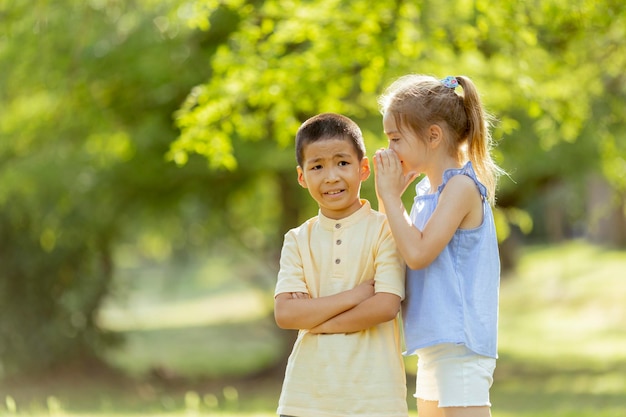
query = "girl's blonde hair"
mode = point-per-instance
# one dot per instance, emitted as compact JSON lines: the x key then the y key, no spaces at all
{"x":418,"y":101}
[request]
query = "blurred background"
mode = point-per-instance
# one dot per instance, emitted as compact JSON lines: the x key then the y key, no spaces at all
{"x":147,"y":176}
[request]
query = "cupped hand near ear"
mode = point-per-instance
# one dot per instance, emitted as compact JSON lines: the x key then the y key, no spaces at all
{"x":389,"y":175}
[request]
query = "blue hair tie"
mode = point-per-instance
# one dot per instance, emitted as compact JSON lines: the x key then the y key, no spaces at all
{"x":450,"y":82}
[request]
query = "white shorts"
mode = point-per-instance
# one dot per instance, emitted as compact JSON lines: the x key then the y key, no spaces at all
{"x":454,"y":376}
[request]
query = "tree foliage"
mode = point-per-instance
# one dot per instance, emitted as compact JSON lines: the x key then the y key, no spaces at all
{"x":87,"y":92}
{"x":141,"y":120}
{"x":550,"y":71}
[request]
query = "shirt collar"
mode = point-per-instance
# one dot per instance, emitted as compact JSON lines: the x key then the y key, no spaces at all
{"x":332,"y":224}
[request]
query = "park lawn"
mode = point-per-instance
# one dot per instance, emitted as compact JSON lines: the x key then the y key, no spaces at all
{"x":562,"y":335}
{"x":562,"y":348}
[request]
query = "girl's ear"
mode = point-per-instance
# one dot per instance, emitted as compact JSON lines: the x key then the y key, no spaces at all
{"x":301,"y":179}
{"x":365,"y":168}
{"x":435,"y":135}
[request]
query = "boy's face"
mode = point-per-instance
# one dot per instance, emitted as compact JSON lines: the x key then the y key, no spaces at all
{"x":332,"y":172}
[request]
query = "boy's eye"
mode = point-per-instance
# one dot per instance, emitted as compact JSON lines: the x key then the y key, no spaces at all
{"x":316,"y":167}
{"x":344,"y":163}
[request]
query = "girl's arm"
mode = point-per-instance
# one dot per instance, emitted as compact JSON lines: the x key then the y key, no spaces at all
{"x":380,"y":308}
{"x":459,"y":205}
{"x":295,"y":311}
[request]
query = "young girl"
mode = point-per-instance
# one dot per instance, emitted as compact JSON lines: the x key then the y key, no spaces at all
{"x":448,"y":241}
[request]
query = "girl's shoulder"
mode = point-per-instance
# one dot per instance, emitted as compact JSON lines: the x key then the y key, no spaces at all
{"x":466,"y":197}
{"x":465,"y":176}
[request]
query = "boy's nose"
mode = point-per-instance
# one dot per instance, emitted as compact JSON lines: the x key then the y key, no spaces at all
{"x":332,"y":176}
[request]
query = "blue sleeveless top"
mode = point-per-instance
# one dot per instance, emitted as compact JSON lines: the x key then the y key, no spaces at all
{"x":455,"y":298}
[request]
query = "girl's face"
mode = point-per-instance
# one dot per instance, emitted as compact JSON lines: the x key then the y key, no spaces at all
{"x":411,"y":149}
{"x":332,"y":172}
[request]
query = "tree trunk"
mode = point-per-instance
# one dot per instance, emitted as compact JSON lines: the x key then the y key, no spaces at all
{"x":606,"y":211}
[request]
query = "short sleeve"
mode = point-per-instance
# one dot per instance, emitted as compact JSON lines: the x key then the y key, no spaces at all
{"x":291,"y":273}
{"x":390,"y":268}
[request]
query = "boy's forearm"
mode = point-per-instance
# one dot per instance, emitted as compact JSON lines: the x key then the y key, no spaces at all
{"x":306,"y":313}
{"x":380,"y":308}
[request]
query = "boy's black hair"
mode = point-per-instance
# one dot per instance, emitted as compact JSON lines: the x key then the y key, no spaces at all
{"x":328,"y":126}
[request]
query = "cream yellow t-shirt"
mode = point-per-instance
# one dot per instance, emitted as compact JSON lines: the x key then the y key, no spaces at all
{"x":354,"y":374}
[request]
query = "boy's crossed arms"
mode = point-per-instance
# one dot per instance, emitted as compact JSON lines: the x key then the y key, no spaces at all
{"x":349,"y":311}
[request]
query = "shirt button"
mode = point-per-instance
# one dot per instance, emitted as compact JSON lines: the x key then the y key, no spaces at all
{"x":339,"y":241}
{"x":337,"y":261}
{"x":337,"y":226}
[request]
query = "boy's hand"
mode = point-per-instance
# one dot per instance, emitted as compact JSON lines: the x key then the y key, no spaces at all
{"x":364,"y":291}
{"x":300,"y":295}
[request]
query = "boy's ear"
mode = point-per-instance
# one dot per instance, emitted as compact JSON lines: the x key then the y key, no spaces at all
{"x":301,"y":179}
{"x":365,"y":168}
{"x":435,"y":134}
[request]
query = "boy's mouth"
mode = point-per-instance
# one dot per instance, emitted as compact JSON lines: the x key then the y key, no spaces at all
{"x":334,"y":192}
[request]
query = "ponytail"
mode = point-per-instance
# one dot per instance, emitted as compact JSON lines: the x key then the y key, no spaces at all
{"x":479,"y":140}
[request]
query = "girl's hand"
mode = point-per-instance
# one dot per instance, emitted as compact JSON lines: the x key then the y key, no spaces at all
{"x":391,"y":182}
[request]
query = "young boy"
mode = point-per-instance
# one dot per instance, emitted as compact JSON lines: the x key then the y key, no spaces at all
{"x":340,"y":284}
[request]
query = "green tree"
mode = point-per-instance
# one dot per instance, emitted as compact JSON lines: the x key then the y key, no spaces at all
{"x":89,"y":152}
{"x":87,"y":92}
{"x":549,"y":70}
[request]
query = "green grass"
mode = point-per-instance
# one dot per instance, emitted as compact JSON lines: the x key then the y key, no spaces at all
{"x":562,"y":338}
{"x":198,"y":352}
{"x":195,"y":346}
{"x":565,"y":304}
